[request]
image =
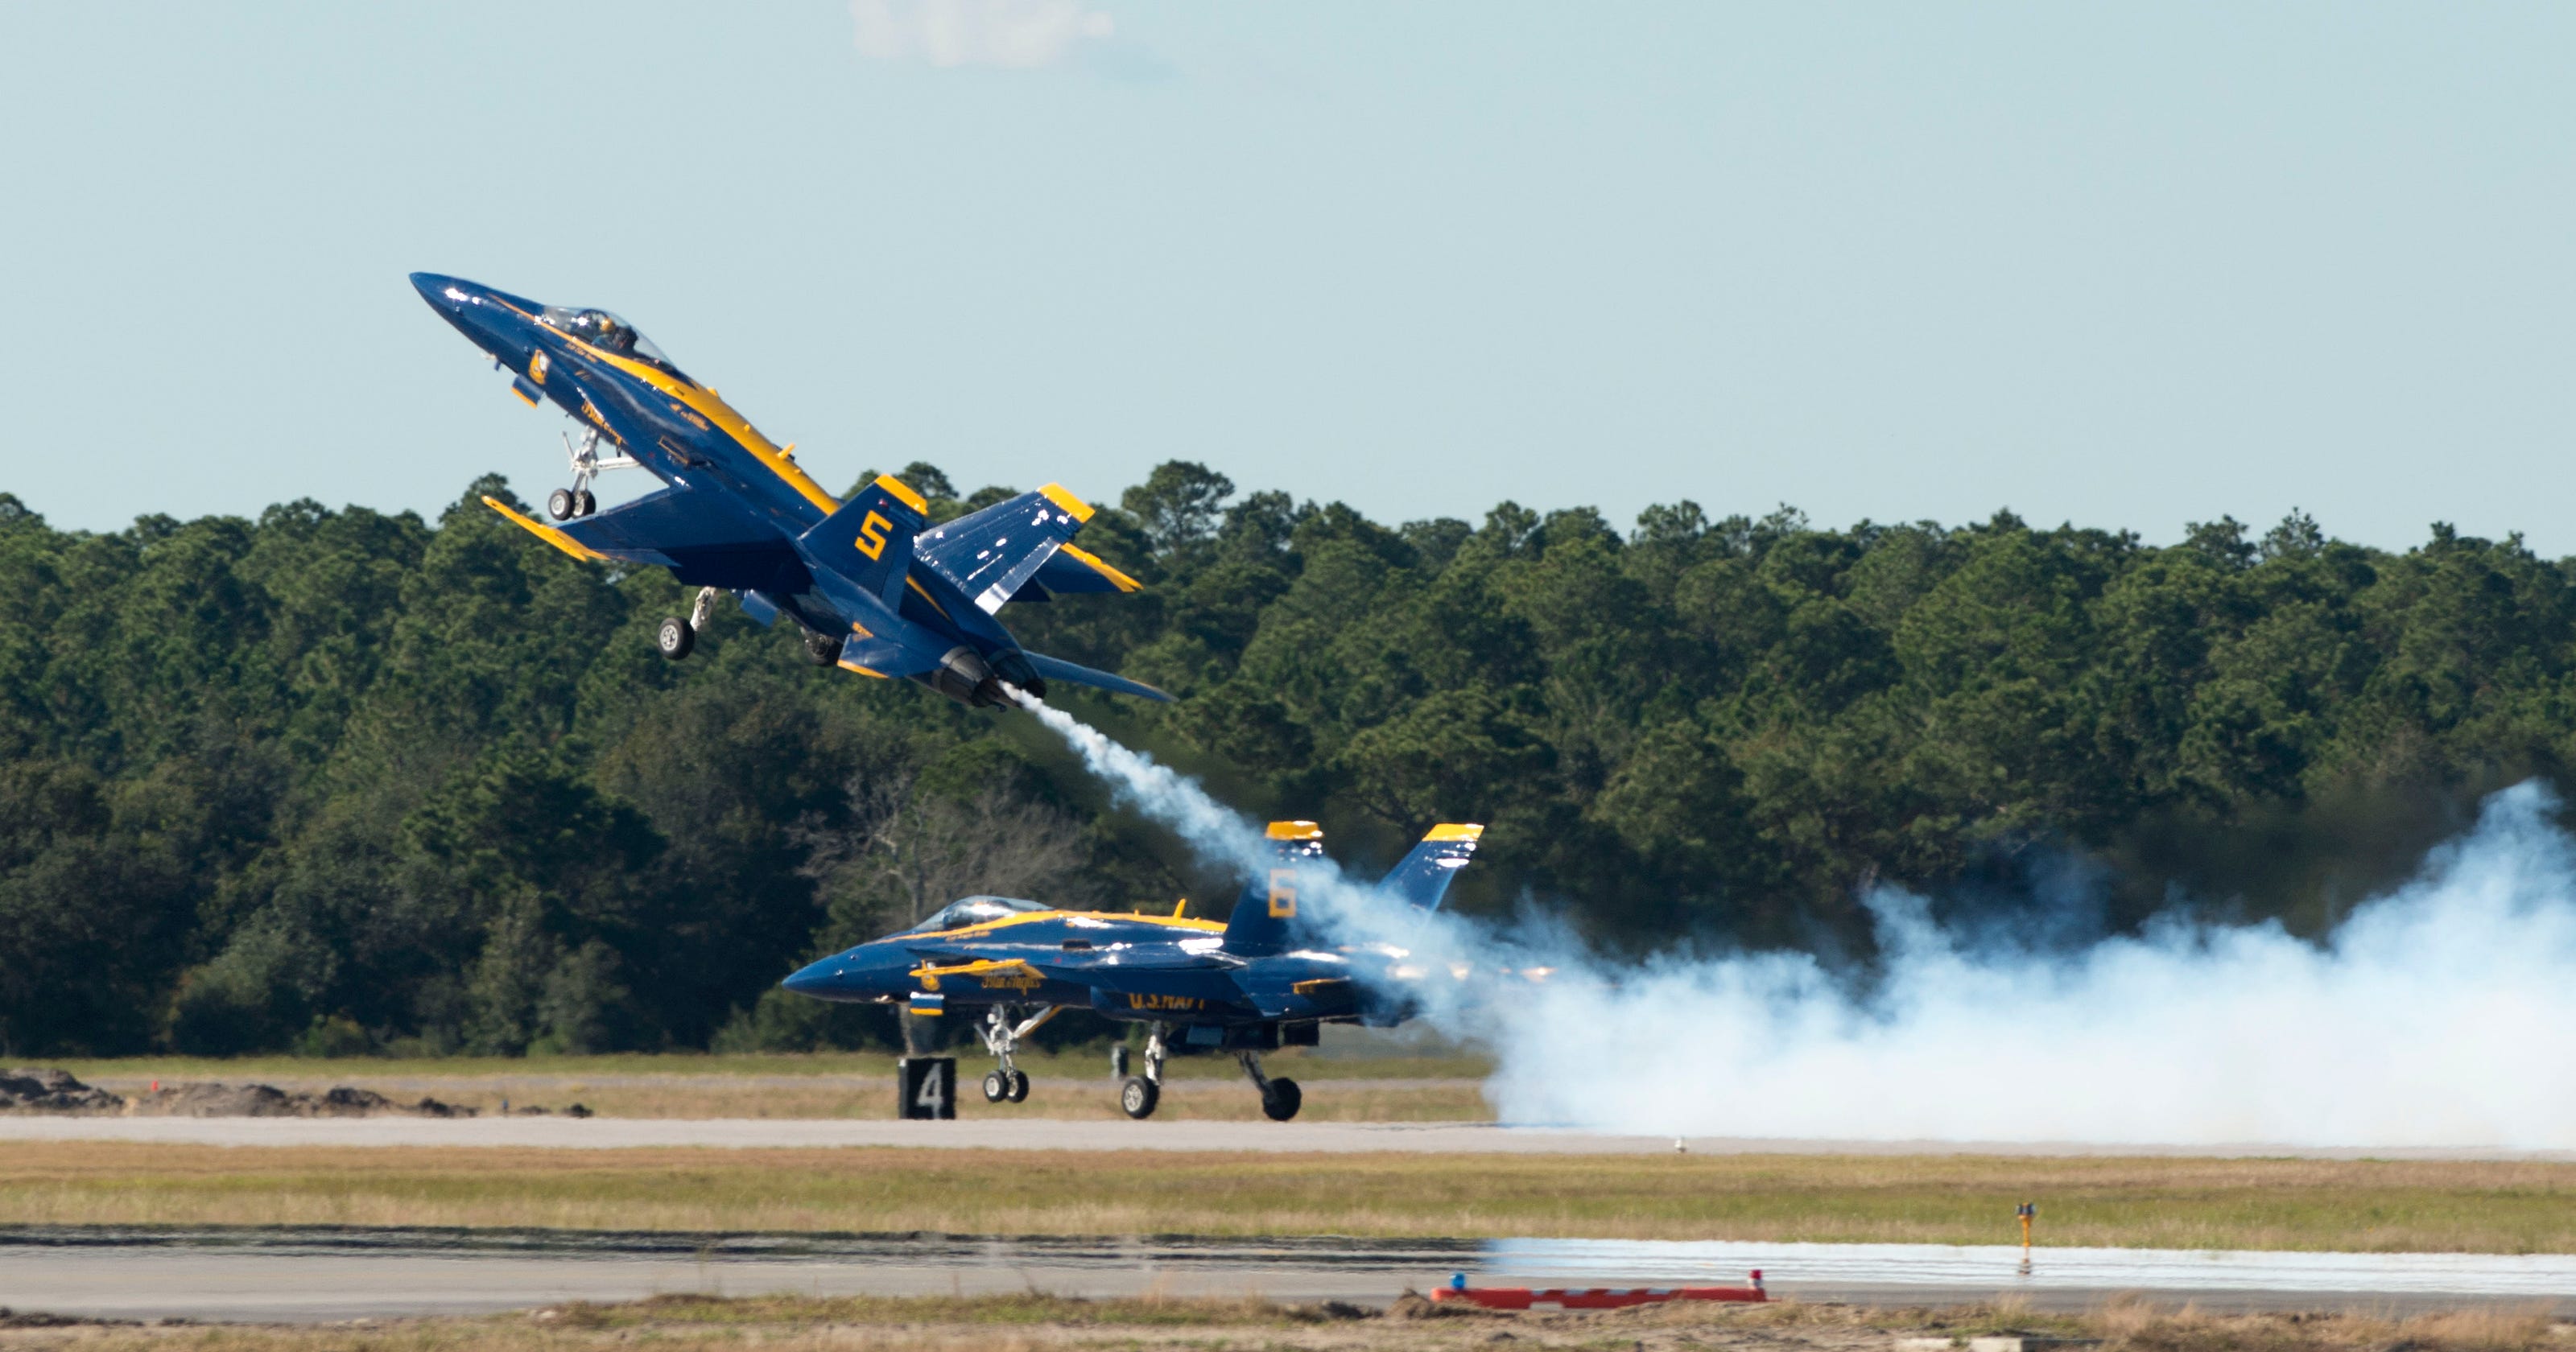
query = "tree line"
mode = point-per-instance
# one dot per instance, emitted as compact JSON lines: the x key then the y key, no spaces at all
{"x":338,"y":781}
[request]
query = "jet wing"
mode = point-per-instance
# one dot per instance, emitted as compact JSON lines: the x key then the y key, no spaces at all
{"x":703,"y":540}
{"x":990,"y":554}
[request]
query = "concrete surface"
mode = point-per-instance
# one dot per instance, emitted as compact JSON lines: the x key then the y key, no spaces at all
{"x":323,"y":1275}
{"x":1094,"y":1134}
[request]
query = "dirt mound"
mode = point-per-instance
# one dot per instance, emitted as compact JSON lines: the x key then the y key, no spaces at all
{"x":263,"y":1100}
{"x":54,"y":1091}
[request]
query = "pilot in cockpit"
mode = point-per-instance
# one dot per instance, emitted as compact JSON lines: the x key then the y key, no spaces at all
{"x":608,"y":333}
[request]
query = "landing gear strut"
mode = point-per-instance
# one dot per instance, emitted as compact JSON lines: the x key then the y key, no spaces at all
{"x":1137,"y":1094}
{"x":1280,"y":1098}
{"x":677,"y":636}
{"x":1002,"y":1038}
{"x":564,"y":504}
{"x":825,"y":649}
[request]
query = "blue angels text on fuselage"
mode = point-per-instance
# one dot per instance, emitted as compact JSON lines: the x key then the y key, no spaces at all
{"x":1259,"y":980}
{"x":876,"y":588}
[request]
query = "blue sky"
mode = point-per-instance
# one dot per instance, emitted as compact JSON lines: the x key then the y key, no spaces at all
{"x":2125,"y":265}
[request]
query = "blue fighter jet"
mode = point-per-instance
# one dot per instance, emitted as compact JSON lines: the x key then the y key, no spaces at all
{"x":876,"y":589}
{"x":1257,"y":982}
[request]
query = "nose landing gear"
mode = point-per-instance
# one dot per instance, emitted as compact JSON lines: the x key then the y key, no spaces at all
{"x":1007,"y":1082}
{"x":564,"y":504}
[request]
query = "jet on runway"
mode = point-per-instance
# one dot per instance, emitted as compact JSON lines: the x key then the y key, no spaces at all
{"x":1258,"y":981}
{"x":875,"y":587}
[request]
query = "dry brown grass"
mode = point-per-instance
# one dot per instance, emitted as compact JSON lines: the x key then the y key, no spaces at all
{"x":2153,"y":1203}
{"x":714,"y":1097}
{"x":1041,"y":1323}
{"x":864,"y":1068}
{"x":841,"y":1085}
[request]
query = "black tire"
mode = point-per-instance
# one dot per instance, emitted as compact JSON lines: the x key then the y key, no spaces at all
{"x":1019,"y":1091}
{"x":997,"y":1086}
{"x":825,"y":649}
{"x":1281,"y":1100}
{"x":1138,"y":1095}
{"x":560,"y":504}
{"x":675,"y":638}
{"x":583,"y":503}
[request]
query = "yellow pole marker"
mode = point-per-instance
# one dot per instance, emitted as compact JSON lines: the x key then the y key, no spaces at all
{"x":2027,"y":1211}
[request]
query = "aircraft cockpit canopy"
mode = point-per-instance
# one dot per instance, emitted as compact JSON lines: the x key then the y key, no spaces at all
{"x":607,"y":332}
{"x":974,"y":911}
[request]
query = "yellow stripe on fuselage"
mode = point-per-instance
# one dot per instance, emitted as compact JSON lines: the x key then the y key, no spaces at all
{"x":703,"y":401}
{"x":1030,"y":917}
{"x":705,"y":404}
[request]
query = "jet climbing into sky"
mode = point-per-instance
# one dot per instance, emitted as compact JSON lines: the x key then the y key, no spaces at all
{"x":876,"y":588}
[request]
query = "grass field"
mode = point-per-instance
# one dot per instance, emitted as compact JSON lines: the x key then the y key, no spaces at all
{"x":1040,"y":1323}
{"x":873,"y":1067}
{"x":1345,"y":1088}
{"x":2156,"y":1203}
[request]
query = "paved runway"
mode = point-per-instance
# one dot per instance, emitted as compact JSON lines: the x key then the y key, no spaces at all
{"x":322,"y":1275}
{"x":1094,"y":1134}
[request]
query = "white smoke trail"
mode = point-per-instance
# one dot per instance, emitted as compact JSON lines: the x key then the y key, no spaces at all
{"x":2441,"y":1014}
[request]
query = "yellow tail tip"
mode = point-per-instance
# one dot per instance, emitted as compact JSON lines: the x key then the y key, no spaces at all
{"x":904,"y":493}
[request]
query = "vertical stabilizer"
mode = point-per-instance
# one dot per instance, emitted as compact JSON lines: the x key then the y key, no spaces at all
{"x":1267,"y":910}
{"x":1422,"y":877}
{"x":869,"y":540}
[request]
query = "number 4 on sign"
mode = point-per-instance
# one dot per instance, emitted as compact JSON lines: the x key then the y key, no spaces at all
{"x":934,"y":1091}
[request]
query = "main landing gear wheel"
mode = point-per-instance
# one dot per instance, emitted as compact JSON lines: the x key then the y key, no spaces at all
{"x":997,"y":1086}
{"x":675,"y":638}
{"x":584,"y":503}
{"x":1019,"y":1092}
{"x":1280,"y":1099}
{"x":825,"y":649}
{"x":1138,"y":1095}
{"x":562,"y":505}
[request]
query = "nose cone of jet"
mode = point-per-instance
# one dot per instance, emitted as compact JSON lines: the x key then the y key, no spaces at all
{"x":444,"y":294}
{"x":814,"y":978}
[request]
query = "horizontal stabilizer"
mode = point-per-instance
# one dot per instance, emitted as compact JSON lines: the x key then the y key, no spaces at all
{"x":990,"y":554}
{"x":1073,"y":571}
{"x":1422,"y":877}
{"x":1057,"y":669}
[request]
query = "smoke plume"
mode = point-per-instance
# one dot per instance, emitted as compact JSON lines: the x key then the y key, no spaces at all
{"x":2439,"y":1014}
